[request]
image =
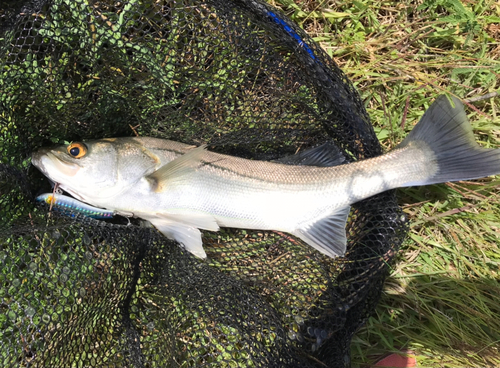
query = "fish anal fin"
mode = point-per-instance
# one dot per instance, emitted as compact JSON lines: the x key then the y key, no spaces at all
{"x":176,"y":168}
{"x":327,"y":235}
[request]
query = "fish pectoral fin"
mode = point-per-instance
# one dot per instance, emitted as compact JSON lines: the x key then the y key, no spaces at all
{"x":188,"y":236}
{"x":327,"y":235}
{"x":176,"y":168}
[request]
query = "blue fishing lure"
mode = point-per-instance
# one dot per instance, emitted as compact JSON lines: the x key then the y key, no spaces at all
{"x":68,"y":204}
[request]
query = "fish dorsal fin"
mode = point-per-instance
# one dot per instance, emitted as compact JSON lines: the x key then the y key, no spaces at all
{"x":327,"y":235}
{"x":326,"y":155}
{"x":176,"y":168}
{"x":183,"y":228}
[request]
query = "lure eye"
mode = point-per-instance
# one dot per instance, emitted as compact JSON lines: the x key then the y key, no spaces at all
{"x":77,"y":149}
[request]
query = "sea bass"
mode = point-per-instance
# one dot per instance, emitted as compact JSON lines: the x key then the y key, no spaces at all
{"x":181,"y":189}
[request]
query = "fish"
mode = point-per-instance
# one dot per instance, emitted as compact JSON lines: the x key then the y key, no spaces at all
{"x":182,"y":189}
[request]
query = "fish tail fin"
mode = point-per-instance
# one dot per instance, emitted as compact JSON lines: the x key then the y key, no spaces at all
{"x":447,"y":133}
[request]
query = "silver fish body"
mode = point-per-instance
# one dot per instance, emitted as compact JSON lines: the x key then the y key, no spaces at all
{"x":181,"y":189}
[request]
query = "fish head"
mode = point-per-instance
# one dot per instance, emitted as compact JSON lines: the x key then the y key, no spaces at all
{"x":94,"y":171}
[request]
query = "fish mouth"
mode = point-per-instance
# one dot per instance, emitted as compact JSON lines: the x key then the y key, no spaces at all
{"x":50,"y":164}
{"x":55,"y":169}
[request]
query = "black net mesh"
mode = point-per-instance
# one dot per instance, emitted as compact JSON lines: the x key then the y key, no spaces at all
{"x":238,"y":75}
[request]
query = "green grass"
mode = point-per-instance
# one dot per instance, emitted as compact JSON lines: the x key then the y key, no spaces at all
{"x":442,"y":299}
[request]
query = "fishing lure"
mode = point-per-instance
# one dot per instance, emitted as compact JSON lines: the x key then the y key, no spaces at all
{"x":64,"y":203}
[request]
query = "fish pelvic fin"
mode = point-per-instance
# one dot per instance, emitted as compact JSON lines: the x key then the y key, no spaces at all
{"x":327,"y":235}
{"x":183,"y":228}
{"x":189,"y":237}
{"x":447,"y":133}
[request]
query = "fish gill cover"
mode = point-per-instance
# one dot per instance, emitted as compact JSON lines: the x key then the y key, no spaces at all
{"x":236,"y":75}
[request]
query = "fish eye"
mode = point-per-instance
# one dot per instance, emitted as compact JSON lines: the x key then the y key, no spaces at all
{"x":77,"y":149}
